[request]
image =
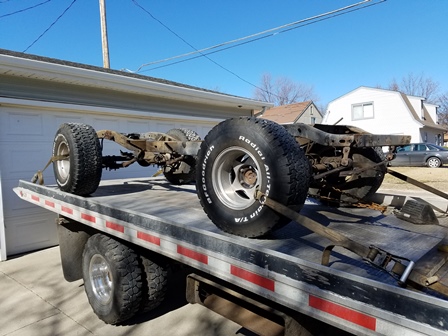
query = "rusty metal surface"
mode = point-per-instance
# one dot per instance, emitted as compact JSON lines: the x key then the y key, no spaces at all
{"x":179,"y":147}
{"x":119,"y":138}
{"x":342,"y":136}
{"x":252,"y":315}
{"x":151,"y":142}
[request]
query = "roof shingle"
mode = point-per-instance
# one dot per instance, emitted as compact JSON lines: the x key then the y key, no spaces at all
{"x":286,"y":114}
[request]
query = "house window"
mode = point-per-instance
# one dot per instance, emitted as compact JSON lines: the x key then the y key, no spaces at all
{"x":362,"y":111}
{"x":313,"y":120}
{"x":311,"y":110}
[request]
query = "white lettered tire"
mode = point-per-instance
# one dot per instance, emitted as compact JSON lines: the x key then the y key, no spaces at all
{"x":240,"y":156}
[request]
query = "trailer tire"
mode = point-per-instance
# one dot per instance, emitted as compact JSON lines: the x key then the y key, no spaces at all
{"x":182,"y":172}
{"x":356,"y":188}
{"x":240,"y":156}
{"x":80,"y":172}
{"x":155,"y":273}
{"x":112,"y":278}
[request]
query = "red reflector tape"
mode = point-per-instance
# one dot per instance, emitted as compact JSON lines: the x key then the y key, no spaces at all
{"x":115,"y":226}
{"x":192,"y":254}
{"x":252,"y":277}
{"x":35,"y":198}
{"x":88,"y":218}
{"x":67,"y":210}
{"x":50,"y":204}
{"x":149,"y":238}
{"x":347,"y":314}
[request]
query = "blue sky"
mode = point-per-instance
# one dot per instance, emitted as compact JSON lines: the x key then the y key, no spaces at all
{"x":367,"y":47}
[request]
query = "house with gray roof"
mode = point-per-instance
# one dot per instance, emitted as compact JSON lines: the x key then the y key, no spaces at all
{"x":383,"y":111}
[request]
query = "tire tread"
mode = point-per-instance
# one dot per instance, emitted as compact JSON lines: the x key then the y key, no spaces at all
{"x":125,"y":262}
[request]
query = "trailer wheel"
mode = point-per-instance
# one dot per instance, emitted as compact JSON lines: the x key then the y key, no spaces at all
{"x":80,"y":172}
{"x":240,"y":156}
{"x":112,"y":278}
{"x":355,"y":188}
{"x":184,"y":171}
{"x":155,"y":273}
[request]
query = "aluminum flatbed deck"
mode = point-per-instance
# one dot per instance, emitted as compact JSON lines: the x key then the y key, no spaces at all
{"x":283,"y":267}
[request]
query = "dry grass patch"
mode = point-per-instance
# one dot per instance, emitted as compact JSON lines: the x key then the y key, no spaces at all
{"x":435,"y":177}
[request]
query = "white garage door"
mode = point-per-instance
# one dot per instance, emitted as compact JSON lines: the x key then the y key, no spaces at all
{"x":26,"y":136}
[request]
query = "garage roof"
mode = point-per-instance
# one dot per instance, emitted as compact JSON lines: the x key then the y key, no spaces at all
{"x":60,"y":71}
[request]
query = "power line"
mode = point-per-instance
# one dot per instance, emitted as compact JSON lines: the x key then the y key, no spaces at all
{"x":22,"y":10}
{"x":51,"y":26}
{"x":255,"y":37}
{"x":189,"y":44}
{"x":164,"y":25}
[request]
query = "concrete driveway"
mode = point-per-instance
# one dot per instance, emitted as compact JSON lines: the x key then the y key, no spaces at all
{"x":35,"y":299}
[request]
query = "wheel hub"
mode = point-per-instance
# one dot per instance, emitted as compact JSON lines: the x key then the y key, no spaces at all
{"x":101,"y":279}
{"x":236,"y":176}
{"x":248,"y":177}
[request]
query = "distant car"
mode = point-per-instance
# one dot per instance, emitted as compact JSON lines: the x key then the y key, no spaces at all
{"x":420,"y":154}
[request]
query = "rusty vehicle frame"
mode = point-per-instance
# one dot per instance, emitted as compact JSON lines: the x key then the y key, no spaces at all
{"x":338,"y":164}
{"x":158,"y":148}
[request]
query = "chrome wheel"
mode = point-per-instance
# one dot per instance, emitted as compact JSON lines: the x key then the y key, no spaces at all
{"x":63,"y":166}
{"x":433,"y":162}
{"x":240,"y":156}
{"x":101,"y":279}
{"x":235,"y":177}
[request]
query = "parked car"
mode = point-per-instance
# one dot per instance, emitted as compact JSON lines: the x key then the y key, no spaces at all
{"x":420,"y":154}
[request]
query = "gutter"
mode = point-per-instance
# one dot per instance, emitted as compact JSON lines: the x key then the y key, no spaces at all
{"x":84,"y":75}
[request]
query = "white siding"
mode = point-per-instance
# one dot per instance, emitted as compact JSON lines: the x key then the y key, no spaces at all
{"x":417,"y":104}
{"x":432,"y":110}
{"x":391,"y":115}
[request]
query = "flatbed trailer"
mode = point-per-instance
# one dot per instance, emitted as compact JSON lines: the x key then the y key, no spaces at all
{"x":279,"y":277}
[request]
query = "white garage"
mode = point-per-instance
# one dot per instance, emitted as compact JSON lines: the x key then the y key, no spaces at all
{"x":38,"y":94}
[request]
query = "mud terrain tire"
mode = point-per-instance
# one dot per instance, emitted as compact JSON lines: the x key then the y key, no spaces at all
{"x":112,"y":278}
{"x":156,"y":274}
{"x":80,"y":172}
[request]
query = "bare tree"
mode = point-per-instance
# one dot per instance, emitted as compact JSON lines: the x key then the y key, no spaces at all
{"x":442,"y":111}
{"x":417,"y":85}
{"x":426,"y":87}
{"x":283,"y":91}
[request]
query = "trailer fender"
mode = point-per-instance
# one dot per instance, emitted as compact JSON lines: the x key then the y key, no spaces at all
{"x":72,"y":238}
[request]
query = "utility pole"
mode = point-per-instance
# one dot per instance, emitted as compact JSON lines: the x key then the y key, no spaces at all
{"x":105,"y":43}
